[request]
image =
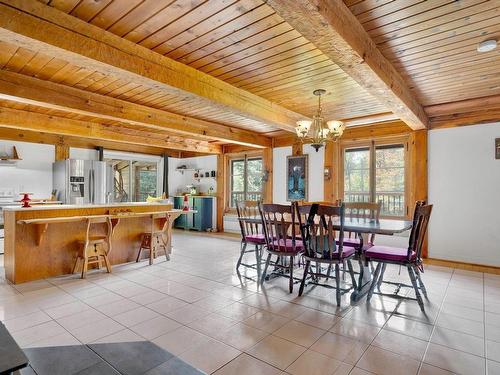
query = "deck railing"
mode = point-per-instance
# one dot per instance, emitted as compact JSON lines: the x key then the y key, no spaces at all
{"x":393,"y":203}
{"x":239,"y":196}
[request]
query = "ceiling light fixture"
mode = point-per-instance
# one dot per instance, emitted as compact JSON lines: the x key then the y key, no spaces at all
{"x":318,"y":131}
{"x":487,"y":45}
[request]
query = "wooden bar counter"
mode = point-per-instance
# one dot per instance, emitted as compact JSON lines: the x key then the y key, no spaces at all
{"x":42,"y":242}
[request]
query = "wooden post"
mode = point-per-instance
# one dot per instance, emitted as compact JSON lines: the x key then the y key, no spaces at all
{"x":332,"y":160}
{"x":221,"y":191}
{"x":61,"y":152}
{"x":417,"y":174}
{"x":297,"y":149}
{"x":267,"y":164}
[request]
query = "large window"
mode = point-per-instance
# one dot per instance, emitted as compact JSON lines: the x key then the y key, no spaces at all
{"x":135,"y":176}
{"x":245,"y":183}
{"x":376,"y":173}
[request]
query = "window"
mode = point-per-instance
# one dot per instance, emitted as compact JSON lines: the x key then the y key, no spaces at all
{"x":135,"y":176}
{"x":245,"y":181}
{"x":376,"y":173}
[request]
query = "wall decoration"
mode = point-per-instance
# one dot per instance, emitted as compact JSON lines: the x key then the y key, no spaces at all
{"x":296,"y":178}
{"x":497,"y":148}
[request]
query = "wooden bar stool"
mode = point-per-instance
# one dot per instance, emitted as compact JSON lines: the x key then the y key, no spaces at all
{"x":94,"y":249}
{"x":154,"y":240}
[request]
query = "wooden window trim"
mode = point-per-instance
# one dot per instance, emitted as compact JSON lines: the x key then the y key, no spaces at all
{"x":372,"y":143}
{"x":229,"y":158}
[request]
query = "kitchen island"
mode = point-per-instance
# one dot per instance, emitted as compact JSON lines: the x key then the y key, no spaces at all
{"x":42,"y":241}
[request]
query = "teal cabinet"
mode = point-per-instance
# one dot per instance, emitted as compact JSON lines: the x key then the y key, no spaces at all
{"x":202,"y":219}
{"x":181,"y":221}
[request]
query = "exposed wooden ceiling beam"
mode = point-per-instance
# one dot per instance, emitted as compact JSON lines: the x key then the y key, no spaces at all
{"x":463,"y":106}
{"x":22,"y":135}
{"x":19,"y":119}
{"x":372,"y":119}
{"x":28,"y":90}
{"x":464,"y":112}
{"x":35,"y":26}
{"x":464,"y":119}
{"x":332,"y":28}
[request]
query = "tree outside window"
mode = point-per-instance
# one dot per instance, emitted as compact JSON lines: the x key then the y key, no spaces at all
{"x":376,"y":173}
{"x":245,"y":180}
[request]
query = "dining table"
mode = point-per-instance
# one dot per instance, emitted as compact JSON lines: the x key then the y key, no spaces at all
{"x":363,"y":228}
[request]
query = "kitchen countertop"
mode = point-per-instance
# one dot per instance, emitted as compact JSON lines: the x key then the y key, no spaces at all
{"x":196,"y":196}
{"x":76,"y":206}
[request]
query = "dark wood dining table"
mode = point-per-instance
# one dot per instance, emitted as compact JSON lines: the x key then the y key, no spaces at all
{"x":363,"y":228}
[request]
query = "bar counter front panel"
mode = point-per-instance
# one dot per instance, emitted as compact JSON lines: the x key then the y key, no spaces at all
{"x":31,"y":255}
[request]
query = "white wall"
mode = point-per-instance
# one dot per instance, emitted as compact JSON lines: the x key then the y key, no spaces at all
{"x":464,"y":186}
{"x":316,"y":180}
{"x":178,"y":181}
{"x":33,"y":174}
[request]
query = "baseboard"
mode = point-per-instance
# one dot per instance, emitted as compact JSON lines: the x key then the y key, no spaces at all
{"x":463,"y":266}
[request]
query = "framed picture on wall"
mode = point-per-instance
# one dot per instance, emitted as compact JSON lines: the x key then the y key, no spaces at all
{"x":497,"y":148}
{"x":296,"y":178}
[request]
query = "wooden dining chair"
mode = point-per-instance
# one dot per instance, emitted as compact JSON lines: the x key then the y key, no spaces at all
{"x":323,"y":234}
{"x":410,"y":257}
{"x":361,"y":211}
{"x":251,"y":233}
{"x":95,"y":248}
{"x":281,"y":242}
{"x":154,"y":240}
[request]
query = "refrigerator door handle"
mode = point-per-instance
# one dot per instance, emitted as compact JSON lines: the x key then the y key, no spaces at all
{"x":90,"y":185}
{"x":93,"y":186}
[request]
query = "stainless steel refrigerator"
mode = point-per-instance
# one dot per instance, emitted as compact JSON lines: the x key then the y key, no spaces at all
{"x":83,"y":181}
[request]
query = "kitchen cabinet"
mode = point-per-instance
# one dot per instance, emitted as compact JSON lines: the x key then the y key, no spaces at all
{"x":202,"y":220}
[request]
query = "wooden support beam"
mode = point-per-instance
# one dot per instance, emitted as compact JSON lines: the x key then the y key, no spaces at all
{"x":22,"y":135}
{"x":371,"y":119}
{"x":464,"y":112}
{"x":61,"y":151}
{"x":38,"y":27}
{"x":487,"y":103}
{"x":18,"y":119}
{"x":417,"y":172}
{"x":297,"y":147}
{"x":267,"y":164}
{"x":330,"y":188}
{"x":332,"y":28}
{"x":28,"y":90}
{"x":236,"y":149}
{"x":221,"y":190}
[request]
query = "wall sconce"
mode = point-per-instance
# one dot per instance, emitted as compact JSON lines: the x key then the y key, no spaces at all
{"x":265,"y":176}
{"x":327,"y":173}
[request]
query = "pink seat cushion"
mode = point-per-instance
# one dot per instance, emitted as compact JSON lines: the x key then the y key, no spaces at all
{"x":354,"y":242}
{"x":287,"y":246}
{"x":389,"y":253}
{"x":256,"y":238}
{"x":347,"y":251}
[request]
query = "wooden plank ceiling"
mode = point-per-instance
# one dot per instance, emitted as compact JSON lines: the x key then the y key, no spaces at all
{"x":433,"y":44}
{"x":245,"y":43}
{"x":241,"y":42}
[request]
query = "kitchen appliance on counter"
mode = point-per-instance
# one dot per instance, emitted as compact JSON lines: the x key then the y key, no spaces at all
{"x":82,"y":181}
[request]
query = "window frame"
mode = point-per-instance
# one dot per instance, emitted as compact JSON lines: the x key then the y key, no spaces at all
{"x":245,"y":157}
{"x":372,"y":144}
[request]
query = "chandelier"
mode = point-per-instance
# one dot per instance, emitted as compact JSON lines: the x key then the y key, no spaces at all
{"x":317,"y":131}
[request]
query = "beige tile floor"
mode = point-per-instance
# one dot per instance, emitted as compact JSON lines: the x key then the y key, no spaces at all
{"x":196,"y":307}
